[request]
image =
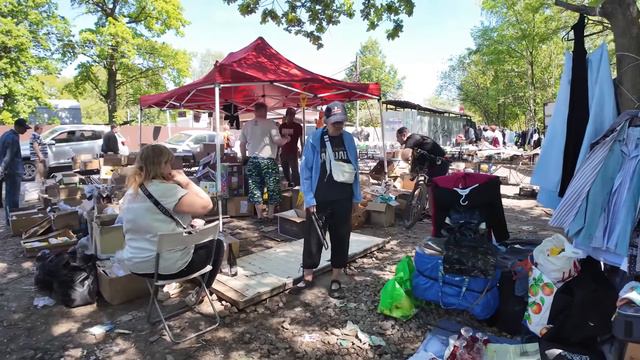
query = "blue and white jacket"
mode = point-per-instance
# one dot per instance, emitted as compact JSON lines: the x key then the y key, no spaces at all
{"x":310,"y":166}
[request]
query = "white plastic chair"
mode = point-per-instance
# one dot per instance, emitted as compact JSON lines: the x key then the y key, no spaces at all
{"x":178,"y":240}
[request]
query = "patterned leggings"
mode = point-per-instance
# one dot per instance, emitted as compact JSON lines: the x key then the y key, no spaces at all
{"x":263,"y":172}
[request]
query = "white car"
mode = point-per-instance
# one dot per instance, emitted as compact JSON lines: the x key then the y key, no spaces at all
{"x":189,"y":141}
{"x":65,"y":141}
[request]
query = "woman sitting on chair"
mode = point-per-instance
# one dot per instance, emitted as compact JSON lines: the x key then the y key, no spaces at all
{"x":143,"y":220}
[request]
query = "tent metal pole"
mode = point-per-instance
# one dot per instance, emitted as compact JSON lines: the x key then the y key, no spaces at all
{"x":384,"y":145}
{"x":168,"y":122}
{"x":304,"y":125}
{"x":218,"y":167}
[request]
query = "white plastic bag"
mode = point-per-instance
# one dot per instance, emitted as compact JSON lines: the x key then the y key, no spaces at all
{"x":557,"y":267}
{"x":541,"y":293}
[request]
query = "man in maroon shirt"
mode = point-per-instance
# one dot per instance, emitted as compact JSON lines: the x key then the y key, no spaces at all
{"x":289,"y":151}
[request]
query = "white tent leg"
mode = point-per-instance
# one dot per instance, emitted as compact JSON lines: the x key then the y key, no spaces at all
{"x":218,"y":167}
{"x":384,"y":145}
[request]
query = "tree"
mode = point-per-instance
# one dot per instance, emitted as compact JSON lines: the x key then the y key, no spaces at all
{"x":372,"y":67}
{"x":121,"y":58}
{"x":624,"y":17}
{"x":312,"y":18}
{"x":203,"y":62}
{"x":34,"y":40}
{"x":515,"y":65}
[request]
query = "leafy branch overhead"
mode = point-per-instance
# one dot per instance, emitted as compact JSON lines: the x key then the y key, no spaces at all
{"x":312,"y":18}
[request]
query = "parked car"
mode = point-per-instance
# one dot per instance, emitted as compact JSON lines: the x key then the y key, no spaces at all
{"x":65,"y":141}
{"x":189,"y":141}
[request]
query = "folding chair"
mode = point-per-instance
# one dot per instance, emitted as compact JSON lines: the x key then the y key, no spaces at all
{"x":177,"y":240}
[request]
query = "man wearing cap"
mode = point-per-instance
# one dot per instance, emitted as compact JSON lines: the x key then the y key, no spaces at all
{"x":11,"y":166}
{"x":331,"y":189}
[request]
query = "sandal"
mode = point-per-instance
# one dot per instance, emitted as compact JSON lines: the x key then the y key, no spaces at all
{"x":301,"y":287}
{"x":336,"y":292}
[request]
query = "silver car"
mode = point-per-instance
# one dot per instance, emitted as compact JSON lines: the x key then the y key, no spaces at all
{"x":189,"y":141}
{"x":65,"y":141}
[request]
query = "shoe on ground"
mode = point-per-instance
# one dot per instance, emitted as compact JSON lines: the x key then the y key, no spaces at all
{"x":336,"y":291}
{"x":301,"y":287}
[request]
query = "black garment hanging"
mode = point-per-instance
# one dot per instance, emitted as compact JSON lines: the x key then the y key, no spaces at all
{"x":578,"y":116}
{"x":232,"y":116}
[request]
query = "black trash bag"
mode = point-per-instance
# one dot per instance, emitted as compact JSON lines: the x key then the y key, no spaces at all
{"x":76,"y":285}
{"x":48,"y":268}
{"x":71,"y":282}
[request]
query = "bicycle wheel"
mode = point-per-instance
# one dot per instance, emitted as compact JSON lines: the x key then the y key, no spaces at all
{"x":416,"y":206}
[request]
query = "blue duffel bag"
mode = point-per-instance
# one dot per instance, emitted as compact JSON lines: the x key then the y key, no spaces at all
{"x":479,"y":296}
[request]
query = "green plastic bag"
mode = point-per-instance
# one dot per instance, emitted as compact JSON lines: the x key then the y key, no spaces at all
{"x":404,"y":272}
{"x":396,"y":299}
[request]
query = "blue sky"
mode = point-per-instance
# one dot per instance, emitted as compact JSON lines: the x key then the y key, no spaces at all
{"x":438,"y":30}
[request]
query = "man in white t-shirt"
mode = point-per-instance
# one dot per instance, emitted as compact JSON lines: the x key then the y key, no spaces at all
{"x":259,"y":142}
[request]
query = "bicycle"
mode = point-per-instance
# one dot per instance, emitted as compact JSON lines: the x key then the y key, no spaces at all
{"x":418,"y":205}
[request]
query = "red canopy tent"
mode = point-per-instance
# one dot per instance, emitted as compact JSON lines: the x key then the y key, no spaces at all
{"x":258,"y":73}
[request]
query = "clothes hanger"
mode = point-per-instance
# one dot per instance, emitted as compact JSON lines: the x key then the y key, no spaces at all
{"x":589,"y":21}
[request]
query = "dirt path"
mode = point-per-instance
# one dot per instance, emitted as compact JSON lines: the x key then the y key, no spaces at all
{"x":284,"y":327}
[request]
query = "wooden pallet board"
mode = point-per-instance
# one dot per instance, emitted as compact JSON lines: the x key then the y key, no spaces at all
{"x":267,"y":273}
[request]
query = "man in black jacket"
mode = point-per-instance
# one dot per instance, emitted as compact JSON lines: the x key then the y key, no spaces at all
{"x":110,"y":141}
{"x":426,"y":153}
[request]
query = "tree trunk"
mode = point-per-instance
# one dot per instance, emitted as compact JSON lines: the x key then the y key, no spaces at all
{"x":624,"y":17}
{"x":112,"y":95}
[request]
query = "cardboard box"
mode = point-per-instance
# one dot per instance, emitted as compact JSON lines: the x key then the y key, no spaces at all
{"x":56,"y":191}
{"x":90,"y":165}
{"x":229,"y":243}
{"x":206,"y":149}
{"x":130,"y":159}
{"x":112,"y":160}
{"x":43,"y":227}
{"x":407,"y":183}
{"x":359,"y":217}
{"x":381,"y":214}
{"x":239,"y":206}
{"x":292,"y":223}
{"x":66,"y":220}
{"x":377,"y":172}
{"x":230,"y":158}
{"x":119,"y":289}
{"x":20,"y":221}
{"x":66,"y":178}
{"x":107,"y":237}
{"x":34,"y":245}
{"x":632,"y":352}
{"x":286,"y":201}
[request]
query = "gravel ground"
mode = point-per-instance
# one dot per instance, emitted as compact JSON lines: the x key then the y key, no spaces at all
{"x":311,"y":326}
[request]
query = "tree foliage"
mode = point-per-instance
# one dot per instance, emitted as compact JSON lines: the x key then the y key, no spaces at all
{"x":312,"y":18}
{"x":203,"y":62}
{"x":515,"y":65}
{"x":373,"y":67}
{"x":121,"y":58}
{"x":34,"y":40}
